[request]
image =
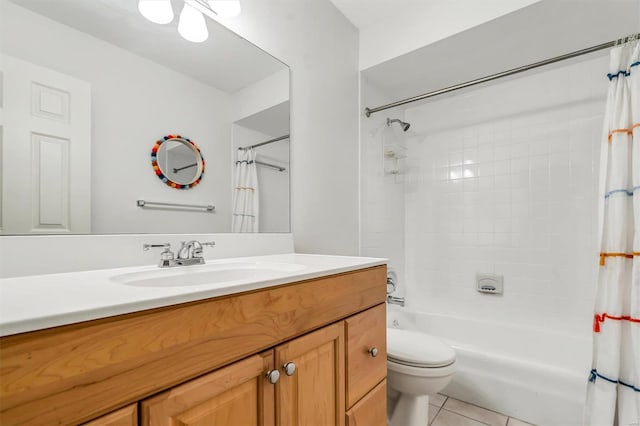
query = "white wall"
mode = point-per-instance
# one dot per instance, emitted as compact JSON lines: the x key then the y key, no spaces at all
{"x":321,"y":47}
{"x":503,"y":179}
{"x":134,"y":103}
{"x":261,"y":95}
{"x":407,"y":26}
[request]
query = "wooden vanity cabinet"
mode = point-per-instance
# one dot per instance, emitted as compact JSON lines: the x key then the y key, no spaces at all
{"x":127,"y":416}
{"x":366,"y":347}
{"x":311,"y":393}
{"x":205,"y":362}
{"x":370,"y":410}
{"x":239,"y":394}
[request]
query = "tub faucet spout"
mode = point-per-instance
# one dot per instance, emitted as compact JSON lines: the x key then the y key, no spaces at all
{"x":393,"y":300}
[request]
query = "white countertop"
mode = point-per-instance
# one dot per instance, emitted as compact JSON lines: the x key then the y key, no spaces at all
{"x":42,"y":301}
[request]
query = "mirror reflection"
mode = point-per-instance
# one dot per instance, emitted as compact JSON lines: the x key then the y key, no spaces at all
{"x":86,"y":87}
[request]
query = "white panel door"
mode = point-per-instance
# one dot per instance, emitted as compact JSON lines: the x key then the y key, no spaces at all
{"x":45,"y":121}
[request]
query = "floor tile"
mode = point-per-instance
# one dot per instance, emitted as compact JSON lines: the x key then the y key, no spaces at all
{"x":477,"y":413}
{"x":447,"y":418}
{"x":516,"y":422}
{"x":437,"y":400}
{"x":433,"y":410}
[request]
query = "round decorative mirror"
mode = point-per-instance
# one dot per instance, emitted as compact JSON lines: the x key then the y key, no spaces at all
{"x":177,"y":161}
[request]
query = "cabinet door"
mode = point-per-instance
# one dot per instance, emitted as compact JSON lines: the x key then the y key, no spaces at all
{"x":127,"y":416}
{"x":370,"y":410}
{"x":314,"y":393}
{"x":239,"y":394}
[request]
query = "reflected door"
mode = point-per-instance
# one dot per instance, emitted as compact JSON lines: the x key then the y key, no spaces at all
{"x":45,"y":123}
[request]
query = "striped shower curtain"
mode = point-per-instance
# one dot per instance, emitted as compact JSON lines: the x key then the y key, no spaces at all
{"x":613,"y":393}
{"x":245,"y":193}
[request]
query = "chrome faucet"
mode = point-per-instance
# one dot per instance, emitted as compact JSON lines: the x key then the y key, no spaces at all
{"x":190,"y":250}
{"x":166,"y":257}
{"x":189,"y":254}
{"x":393,"y":300}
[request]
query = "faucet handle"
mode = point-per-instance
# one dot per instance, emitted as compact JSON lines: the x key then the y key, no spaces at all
{"x":166,"y":257}
{"x":146,"y":247}
{"x":391,"y":284}
{"x":197,"y":249}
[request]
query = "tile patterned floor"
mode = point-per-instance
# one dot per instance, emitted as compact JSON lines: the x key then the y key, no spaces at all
{"x":445,"y":411}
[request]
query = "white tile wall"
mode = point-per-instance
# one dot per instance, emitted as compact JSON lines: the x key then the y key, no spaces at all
{"x":382,"y":210}
{"x":500,"y":179}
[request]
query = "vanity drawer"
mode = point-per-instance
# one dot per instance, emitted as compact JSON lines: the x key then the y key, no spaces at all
{"x":364,"y":333}
{"x":371,"y":410}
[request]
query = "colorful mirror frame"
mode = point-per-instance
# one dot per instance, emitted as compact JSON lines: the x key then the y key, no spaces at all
{"x":199,"y":161}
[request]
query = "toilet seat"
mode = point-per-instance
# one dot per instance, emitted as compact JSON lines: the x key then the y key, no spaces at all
{"x":418,"y":350}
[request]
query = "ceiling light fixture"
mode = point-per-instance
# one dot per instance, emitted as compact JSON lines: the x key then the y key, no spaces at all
{"x":192,"y":25}
{"x":156,"y":11}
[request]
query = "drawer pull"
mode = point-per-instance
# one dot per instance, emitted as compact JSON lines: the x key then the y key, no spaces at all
{"x":273,"y":376}
{"x":373,"y":352}
{"x":289,"y":368}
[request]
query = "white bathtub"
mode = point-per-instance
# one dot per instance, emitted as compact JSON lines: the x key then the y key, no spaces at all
{"x":532,"y":374}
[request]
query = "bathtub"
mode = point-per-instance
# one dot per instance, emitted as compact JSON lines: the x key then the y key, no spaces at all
{"x":536,"y":375}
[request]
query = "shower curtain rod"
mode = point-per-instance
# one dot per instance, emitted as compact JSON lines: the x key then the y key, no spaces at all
{"x":279,"y":138}
{"x":369,"y":111}
{"x":273,"y":166}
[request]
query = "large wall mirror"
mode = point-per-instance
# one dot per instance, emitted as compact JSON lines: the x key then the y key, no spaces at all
{"x":87,"y":88}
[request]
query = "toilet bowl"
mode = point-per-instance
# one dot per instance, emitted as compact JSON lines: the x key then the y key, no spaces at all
{"x":418,"y":365}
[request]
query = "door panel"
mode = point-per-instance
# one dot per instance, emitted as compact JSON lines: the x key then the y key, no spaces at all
{"x":314,"y":394}
{"x":127,"y":416}
{"x":371,"y":410}
{"x":45,"y":119}
{"x":238,"y":394}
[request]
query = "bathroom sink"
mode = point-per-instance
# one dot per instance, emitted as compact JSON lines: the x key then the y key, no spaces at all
{"x":214,"y":273}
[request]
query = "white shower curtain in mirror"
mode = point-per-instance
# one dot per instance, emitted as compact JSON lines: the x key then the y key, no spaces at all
{"x":245,"y":194}
{"x":613,"y":393}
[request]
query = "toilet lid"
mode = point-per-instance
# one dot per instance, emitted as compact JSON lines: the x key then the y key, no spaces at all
{"x":418,"y":349}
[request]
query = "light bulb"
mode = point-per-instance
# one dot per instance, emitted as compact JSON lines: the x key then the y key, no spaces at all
{"x":192,"y":25}
{"x":225,"y":7}
{"x":157,"y":11}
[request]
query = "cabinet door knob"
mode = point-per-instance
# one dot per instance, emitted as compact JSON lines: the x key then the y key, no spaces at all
{"x":373,"y":352}
{"x":273,"y":376}
{"x":289,"y":368}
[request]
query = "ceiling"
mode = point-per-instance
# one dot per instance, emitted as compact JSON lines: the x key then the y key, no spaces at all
{"x":225,"y":61}
{"x":365,"y":13}
{"x":272,"y":121}
{"x":537,"y":32}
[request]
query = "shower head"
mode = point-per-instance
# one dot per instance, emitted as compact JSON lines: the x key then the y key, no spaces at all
{"x":405,"y":126}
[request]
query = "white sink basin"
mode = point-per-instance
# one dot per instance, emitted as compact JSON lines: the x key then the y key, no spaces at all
{"x":214,"y":273}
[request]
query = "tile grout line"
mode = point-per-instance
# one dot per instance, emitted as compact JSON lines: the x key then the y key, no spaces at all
{"x":465,"y":416}
{"x":438,"y":412}
{"x":436,"y":416}
{"x":471,"y":418}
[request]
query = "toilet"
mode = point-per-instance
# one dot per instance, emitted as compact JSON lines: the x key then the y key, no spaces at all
{"x":418,"y":365}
